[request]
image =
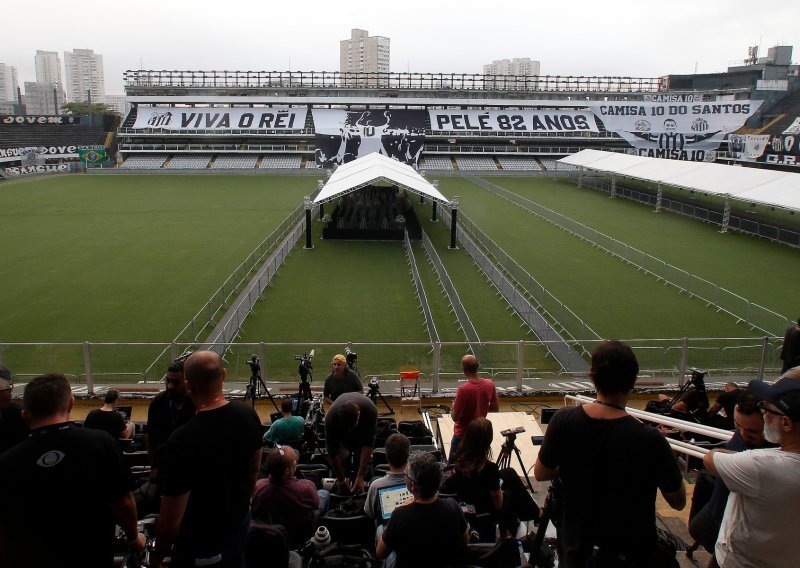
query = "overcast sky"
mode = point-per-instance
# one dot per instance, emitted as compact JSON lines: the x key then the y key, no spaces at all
{"x":578,"y":37}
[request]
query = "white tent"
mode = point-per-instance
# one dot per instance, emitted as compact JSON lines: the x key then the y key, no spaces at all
{"x":754,"y":185}
{"x":374,"y":168}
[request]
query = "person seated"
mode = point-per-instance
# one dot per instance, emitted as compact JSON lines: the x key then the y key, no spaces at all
{"x":477,"y":481}
{"x":726,"y":402}
{"x":427,"y":530}
{"x":107,"y":418}
{"x":397,"y":450}
{"x":286,"y":429}
{"x":282,"y":498}
{"x":749,"y":435}
{"x":13,"y":428}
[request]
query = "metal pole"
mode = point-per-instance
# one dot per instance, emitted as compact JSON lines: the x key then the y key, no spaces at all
{"x":684,"y":358}
{"x":763,"y":363}
{"x":173,"y":350}
{"x":307,"y":205}
{"x":453,"y":221}
{"x":87,"y":368}
{"x":520,"y":363}
{"x":437,"y":361}
{"x":433,"y":211}
{"x":262,"y":356}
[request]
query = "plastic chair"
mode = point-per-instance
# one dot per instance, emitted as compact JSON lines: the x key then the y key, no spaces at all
{"x":409,"y":389}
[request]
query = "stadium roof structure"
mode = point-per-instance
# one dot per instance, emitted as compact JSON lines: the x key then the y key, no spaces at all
{"x":373,"y":168}
{"x":753,"y":185}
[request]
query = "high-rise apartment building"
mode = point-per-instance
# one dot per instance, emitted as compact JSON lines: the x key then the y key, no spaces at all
{"x":43,"y":98}
{"x":119,"y":104}
{"x":9,"y":82}
{"x":83,"y":75}
{"x":517,"y":67}
{"x":363,"y":54}
{"x":48,"y":67}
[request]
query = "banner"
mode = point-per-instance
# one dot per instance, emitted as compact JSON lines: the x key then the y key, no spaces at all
{"x":21,"y":120}
{"x":187,"y":118}
{"x":343,"y":136}
{"x":512,"y":121}
{"x":794,"y":127}
{"x":675,"y":131}
{"x":37,"y":154}
{"x":28,"y":170}
{"x":92,"y":154}
{"x":754,"y":146}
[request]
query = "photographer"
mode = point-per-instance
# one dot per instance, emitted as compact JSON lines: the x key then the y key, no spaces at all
{"x":341,"y":380}
{"x":349,"y":432}
{"x":611,"y":465}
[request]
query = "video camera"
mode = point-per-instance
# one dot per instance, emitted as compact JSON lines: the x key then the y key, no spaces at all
{"x":315,"y":413}
{"x":351,"y":357}
{"x":513,"y":431}
{"x":255,"y":366}
{"x":305,"y":367}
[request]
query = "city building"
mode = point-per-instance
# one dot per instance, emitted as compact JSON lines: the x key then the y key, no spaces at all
{"x":118,"y":104}
{"x":43,"y":98}
{"x":9,"y":84}
{"x":363,"y":54}
{"x":505,"y":68}
{"x":84,"y":76}
{"x":48,"y":67}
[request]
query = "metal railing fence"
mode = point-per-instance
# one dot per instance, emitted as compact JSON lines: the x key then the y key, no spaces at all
{"x":756,"y":316}
{"x":425,"y":307}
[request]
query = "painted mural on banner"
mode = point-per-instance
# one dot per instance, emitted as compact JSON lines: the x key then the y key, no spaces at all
{"x":691,"y":131}
{"x":512,"y":121}
{"x":343,"y":136}
{"x":32,"y":155}
{"x":198,"y":118}
{"x":778,"y":150}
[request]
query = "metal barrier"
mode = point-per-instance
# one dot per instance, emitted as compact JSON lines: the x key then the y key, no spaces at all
{"x":564,"y":353}
{"x":742,"y":309}
{"x":464,"y":321}
{"x":423,"y":299}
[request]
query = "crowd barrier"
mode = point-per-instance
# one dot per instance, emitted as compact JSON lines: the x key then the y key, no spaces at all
{"x":423,"y":298}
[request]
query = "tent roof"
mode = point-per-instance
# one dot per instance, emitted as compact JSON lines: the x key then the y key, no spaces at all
{"x":373,"y":167}
{"x":769,"y":187}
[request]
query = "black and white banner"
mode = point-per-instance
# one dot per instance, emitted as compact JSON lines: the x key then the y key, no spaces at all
{"x":184,"y":118}
{"x":343,"y":136}
{"x":794,"y":127}
{"x":689,"y":131}
{"x":780,"y":150}
{"x":25,"y":119}
{"x":32,"y":155}
{"x":44,"y":169}
{"x":512,"y":121}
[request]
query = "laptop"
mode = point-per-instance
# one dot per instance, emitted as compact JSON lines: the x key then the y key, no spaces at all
{"x":389,"y":498}
{"x":126,"y":411}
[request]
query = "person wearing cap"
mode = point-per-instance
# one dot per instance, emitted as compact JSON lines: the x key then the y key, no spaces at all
{"x":341,"y":380}
{"x":761,"y":524}
{"x":13,"y":428}
{"x":107,"y":418}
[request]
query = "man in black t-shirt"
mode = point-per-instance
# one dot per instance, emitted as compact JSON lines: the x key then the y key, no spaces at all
{"x":168,"y":411}
{"x":107,"y":418}
{"x":427,"y":531}
{"x":350,"y":430}
{"x":13,"y":429}
{"x":341,"y":380}
{"x":611,"y":465}
{"x":210,"y":470}
{"x":725,"y":401}
{"x":66,"y":488}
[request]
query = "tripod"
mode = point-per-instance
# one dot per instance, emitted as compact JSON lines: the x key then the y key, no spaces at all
{"x":539,"y":556}
{"x":504,"y":457}
{"x":257,"y":387}
{"x":304,"y":388}
{"x":375,"y":393}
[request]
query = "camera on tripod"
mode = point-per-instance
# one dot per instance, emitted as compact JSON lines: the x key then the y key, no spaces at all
{"x":305,"y":367}
{"x":315,"y":413}
{"x":373,"y":384}
{"x":351,"y":357}
{"x":512,"y":432}
{"x":255,"y":366}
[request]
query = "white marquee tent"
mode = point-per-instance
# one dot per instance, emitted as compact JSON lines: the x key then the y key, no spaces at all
{"x":375,"y":168}
{"x":752,"y":185}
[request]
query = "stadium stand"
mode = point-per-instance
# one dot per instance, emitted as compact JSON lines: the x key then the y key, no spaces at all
{"x":550,"y":164}
{"x":281,"y":162}
{"x":190,"y":162}
{"x":247,"y":162}
{"x":53,"y":135}
{"x":519,"y":163}
{"x":475,"y":163}
{"x":437,"y":163}
{"x":139,"y":162}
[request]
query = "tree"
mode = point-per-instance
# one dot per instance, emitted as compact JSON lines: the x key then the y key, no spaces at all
{"x":82,"y":108}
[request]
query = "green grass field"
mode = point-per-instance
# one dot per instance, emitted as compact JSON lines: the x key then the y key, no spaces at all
{"x":132,"y":258}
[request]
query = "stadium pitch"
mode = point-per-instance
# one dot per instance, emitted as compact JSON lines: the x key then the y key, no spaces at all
{"x":131,"y":259}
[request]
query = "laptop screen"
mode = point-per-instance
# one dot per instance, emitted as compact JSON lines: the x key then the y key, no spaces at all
{"x":392,"y":497}
{"x":126,"y":411}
